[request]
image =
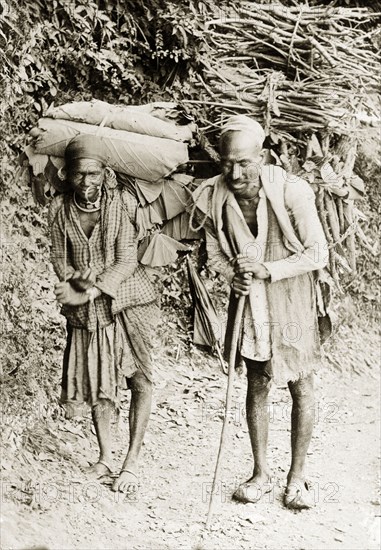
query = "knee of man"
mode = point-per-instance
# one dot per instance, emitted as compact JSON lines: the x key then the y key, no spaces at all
{"x":258,"y":380}
{"x":303,"y":389}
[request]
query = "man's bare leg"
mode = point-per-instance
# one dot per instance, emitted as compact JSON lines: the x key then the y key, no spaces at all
{"x":258,"y":387}
{"x":257,"y":410}
{"x":101,"y":414}
{"x":302,"y":423}
{"x":140,"y":410}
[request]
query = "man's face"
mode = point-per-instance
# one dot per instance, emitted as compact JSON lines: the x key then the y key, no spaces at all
{"x":86,"y":177}
{"x":242,"y":159}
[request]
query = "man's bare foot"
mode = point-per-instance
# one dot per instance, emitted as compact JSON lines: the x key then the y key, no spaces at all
{"x":98,"y":470}
{"x":253,"y":489}
{"x":127,"y":482}
{"x":297,"y":495}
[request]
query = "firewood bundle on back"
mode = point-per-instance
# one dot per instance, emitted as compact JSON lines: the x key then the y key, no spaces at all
{"x":310,"y":76}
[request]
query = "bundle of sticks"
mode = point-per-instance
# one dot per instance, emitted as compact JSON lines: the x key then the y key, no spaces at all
{"x":309,"y":75}
{"x":329,"y":170}
{"x":303,"y":68}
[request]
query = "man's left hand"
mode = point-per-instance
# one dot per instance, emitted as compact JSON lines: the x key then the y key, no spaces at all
{"x":245,"y":264}
{"x":66,"y":295}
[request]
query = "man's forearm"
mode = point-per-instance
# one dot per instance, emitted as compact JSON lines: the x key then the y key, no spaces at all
{"x":217,"y":260}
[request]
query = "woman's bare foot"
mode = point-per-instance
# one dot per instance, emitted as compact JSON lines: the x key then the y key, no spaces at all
{"x":127,"y":482}
{"x":98,"y":470}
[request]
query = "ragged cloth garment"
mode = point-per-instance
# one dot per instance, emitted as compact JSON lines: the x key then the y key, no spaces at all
{"x":280,"y":316}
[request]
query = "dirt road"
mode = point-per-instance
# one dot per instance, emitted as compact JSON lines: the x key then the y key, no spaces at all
{"x":47,"y":502}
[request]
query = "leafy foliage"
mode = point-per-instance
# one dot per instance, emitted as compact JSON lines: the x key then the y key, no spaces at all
{"x":31,"y":329}
{"x":117,"y":51}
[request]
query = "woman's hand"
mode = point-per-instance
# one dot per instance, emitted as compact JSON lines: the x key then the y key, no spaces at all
{"x":67,"y":295}
{"x":83,"y":281}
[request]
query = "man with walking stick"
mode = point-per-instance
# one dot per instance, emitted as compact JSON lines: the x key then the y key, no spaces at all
{"x":264,"y":235}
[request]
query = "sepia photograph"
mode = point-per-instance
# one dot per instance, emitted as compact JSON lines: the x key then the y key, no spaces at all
{"x":190,"y":275}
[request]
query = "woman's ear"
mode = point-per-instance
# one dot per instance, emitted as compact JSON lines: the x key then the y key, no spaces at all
{"x":62,"y":174}
{"x":110,"y":178}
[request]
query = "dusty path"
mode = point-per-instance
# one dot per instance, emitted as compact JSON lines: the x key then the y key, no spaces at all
{"x":50,"y":504}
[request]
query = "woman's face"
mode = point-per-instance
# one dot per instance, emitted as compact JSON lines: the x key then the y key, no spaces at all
{"x":86,"y":177}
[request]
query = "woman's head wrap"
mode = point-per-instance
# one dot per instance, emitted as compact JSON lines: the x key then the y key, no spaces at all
{"x":85,"y":146}
{"x":242,"y":123}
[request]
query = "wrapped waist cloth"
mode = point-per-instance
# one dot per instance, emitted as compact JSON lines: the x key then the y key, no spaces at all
{"x":97,"y":364}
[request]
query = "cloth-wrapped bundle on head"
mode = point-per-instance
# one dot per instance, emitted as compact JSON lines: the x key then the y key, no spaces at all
{"x":140,"y":156}
{"x":85,"y":147}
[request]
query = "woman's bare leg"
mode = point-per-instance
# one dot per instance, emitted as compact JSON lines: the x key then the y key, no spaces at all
{"x":140,"y":410}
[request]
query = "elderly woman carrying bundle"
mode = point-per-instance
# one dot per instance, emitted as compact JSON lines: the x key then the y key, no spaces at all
{"x":108,"y":301}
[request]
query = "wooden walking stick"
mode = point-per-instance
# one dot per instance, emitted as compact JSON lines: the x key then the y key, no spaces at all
{"x":229,"y":390}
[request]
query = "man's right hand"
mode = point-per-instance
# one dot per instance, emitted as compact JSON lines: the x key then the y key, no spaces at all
{"x":241,"y":283}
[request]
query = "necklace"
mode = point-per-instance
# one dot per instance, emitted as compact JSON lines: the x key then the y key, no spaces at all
{"x":89,"y":206}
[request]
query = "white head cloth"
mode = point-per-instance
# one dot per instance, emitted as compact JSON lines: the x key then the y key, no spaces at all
{"x":243,"y":123}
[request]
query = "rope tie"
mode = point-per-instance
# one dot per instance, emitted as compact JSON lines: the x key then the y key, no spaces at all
{"x":65,"y":247}
{"x":192,"y":215}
